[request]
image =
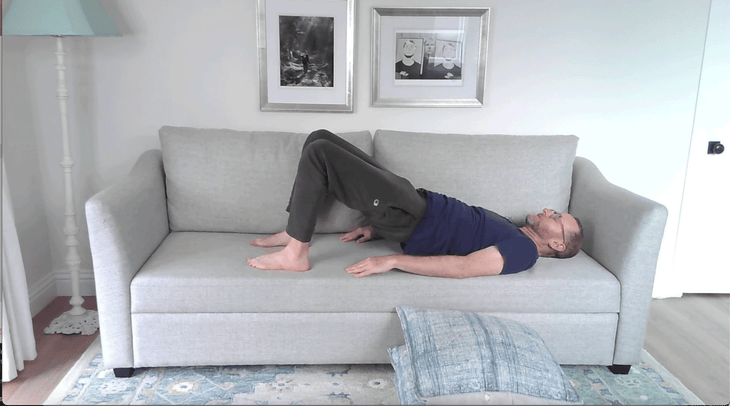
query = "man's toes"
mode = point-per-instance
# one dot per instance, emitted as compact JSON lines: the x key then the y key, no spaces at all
{"x":255,"y":262}
{"x":264,"y":262}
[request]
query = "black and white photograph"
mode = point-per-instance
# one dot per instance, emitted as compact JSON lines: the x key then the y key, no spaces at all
{"x":429,"y":57}
{"x":447,"y":61}
{"x":432,"y":55}
{"x":306,"y":51}
{"x":409,"y":53}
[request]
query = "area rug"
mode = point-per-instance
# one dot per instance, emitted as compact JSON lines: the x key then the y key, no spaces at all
{"x":89,"y":383}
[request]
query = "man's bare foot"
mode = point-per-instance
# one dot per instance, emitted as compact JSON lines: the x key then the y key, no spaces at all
{"x":294,"y":257}
{"x":277,"y":240}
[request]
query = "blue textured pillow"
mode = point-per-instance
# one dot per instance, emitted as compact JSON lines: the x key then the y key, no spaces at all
{"x":459,"y":357}
{"x":404,"y":378}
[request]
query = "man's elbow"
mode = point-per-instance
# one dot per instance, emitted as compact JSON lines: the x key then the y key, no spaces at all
{"x":479,"y":271}
{"x":483,"y":269}
{"x":487,"y":262}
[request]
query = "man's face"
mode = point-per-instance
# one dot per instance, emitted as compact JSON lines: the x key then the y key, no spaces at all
{"x":409,"y":49}
{"x":550,"y":224}
{"x":449,"y":52}
{"x":429,"y":46}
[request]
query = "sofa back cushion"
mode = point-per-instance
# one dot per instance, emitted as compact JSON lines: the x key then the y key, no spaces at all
{"x":511,"y":175}
{"x":239,"y":181}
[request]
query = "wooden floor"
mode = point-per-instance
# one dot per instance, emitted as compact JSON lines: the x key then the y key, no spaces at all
{"x":57,"y":353}
{"x":690,"y":336}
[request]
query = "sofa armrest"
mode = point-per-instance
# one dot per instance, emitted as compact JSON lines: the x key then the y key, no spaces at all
{"x":127,"y":222}
{"x":623,"y":232}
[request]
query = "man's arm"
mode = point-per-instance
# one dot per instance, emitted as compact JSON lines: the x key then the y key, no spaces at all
{"x":487,"y":261}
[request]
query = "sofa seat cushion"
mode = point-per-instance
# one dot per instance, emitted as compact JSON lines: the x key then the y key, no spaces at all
{"x":196,"y":272}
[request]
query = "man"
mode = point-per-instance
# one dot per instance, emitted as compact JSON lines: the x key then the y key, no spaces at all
{"x":408,"y":68}
{"x":447,"y":69}
{"x":305,"y":63}
{"x":439,"y":235}
{"x":429,"y":46}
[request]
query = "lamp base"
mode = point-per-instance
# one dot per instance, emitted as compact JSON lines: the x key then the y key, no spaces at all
{"x":85,"y":324}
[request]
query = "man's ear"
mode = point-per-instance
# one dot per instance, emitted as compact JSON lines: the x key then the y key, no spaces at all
{"x":557,"y":245}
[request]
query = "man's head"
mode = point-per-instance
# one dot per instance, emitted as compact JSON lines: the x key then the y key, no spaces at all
{"x":448,"y":51}
{"x":429,"y":45}
{"x":409,"y":48}
{"x":557,"y":235}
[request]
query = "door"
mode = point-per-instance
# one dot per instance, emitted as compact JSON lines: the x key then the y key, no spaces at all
{"x":703,"y":238}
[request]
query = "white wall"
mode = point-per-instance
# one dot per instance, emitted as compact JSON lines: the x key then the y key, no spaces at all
{"x":620,"y":74}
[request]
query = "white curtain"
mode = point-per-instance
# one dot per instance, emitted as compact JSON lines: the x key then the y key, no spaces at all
{"x":17,"y":323}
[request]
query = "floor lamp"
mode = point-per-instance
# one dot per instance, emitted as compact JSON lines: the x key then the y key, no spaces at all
{"x":61,"y":18}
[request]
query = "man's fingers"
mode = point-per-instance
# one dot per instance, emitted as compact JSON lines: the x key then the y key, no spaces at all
{"x":367,"y":267}
{"x":356,"y":269}
{"x":350,"y":236}
{"x":359,"y":273}
{"x":361,"y":234}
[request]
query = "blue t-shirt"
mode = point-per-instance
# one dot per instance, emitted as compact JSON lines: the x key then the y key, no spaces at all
{"x":452,"y":227}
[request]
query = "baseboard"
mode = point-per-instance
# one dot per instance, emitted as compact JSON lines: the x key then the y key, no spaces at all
{"x":42,"y":293}
{"x":86,"y":283}
{"x":56,"y":284}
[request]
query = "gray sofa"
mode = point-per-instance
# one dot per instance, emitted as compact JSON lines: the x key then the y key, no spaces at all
{"x":169,"y":245}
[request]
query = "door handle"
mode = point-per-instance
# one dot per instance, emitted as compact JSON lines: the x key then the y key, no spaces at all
{"x":715,"y":148}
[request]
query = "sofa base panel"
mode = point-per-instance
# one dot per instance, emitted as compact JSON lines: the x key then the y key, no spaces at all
{"x":183,"y":339}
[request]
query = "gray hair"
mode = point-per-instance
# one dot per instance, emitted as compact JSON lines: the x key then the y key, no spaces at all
{"x":573,"y":242}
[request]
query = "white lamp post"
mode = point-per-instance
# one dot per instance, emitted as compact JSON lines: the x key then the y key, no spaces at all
{"x":60,"y":18}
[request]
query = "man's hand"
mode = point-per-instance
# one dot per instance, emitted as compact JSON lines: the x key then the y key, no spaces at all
{"x":361,"y":234}
{"x":371,"y":266}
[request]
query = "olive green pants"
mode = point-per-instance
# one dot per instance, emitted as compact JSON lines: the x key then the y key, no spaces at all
{"x":329,"y":164}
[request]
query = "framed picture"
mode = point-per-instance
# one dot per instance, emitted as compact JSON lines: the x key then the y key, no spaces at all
{"x":429,"y":57}
{"x":306,"y":53}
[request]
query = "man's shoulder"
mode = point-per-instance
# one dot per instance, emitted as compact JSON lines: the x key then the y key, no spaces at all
{"x":519,"y":253}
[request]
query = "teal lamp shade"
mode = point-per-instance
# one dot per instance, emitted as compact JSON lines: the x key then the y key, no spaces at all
{"x":58,"y":17}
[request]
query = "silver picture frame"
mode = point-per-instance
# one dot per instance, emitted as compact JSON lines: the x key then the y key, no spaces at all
{"x":402,"y":35}
{"x":306,"y":51}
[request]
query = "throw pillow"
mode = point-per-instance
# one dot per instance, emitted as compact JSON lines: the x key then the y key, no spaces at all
{"x":454,"y":357}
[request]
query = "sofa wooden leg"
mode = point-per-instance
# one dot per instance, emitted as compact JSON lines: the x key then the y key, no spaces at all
{"x":620,"y":369}
{"x":123,"y":372}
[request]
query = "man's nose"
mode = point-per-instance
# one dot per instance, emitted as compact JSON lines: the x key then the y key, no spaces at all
{"x":547,"y":212}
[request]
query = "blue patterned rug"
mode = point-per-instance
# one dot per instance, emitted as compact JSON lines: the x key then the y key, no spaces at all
{"x":89,"y":383}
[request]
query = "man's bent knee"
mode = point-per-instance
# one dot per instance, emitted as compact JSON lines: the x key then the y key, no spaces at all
{"x":319,"y":146}
{"x":317,"y":151}
{"x":321,"y":134}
